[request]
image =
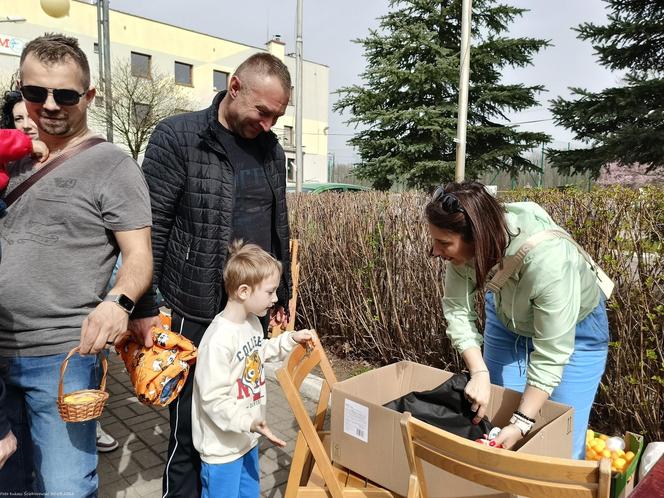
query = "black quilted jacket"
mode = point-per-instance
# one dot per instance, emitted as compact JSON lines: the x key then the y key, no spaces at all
{"x":192,"y":193}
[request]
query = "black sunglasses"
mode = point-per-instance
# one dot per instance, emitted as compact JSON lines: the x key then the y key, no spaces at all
{"x":39,"y":94}
{"x":449,"y":202}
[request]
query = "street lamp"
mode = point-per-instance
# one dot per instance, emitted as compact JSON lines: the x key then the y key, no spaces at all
{"x":60,"y":8}
{"x":55,"y":8}
{"x":13,"y":19}
{"x":104,"y":43}
{"x":464,"y":72}
{"x":299,"y":154}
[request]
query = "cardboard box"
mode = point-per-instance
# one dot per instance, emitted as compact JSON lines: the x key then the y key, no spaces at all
{"x":623,"y":484}
{"x":366,"y":437}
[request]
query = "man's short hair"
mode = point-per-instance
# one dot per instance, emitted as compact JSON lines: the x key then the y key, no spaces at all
{"x":248,"y":264}
{"x":52,"y":48}
{"x":264,"y":64}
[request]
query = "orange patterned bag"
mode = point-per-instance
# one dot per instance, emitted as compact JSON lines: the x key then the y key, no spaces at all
{"x":158,"y":373}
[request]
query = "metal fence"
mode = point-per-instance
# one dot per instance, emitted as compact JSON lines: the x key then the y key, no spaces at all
{"x":547,"y":177}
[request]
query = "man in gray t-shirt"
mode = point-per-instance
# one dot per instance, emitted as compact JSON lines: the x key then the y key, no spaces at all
{"x":59,"y":249}
{"x":60,"y":240}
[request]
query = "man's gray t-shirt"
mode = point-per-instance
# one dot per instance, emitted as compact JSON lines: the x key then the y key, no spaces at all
{"x":58,"y":248}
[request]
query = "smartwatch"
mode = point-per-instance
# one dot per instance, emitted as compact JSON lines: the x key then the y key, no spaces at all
{"x":121,"y":300}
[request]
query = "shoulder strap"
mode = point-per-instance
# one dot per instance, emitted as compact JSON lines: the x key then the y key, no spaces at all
{"x":501,"y":273}
{"x":13,"y":196}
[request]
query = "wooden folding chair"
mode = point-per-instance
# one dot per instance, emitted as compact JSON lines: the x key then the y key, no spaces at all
{"x":295,"y":280}
{"x":312,"y":472}
{"x":504,"y":470}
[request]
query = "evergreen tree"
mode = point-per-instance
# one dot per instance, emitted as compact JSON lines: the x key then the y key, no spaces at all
{"x":407,"y":108}
{"x":624,"y":124}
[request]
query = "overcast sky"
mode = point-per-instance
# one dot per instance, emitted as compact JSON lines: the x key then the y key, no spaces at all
{"x":329,"y":27}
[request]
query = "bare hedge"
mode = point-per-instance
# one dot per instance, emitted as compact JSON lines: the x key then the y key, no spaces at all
{"x":370,"y":289}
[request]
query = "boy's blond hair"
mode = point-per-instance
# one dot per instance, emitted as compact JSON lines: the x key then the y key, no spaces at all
{"x":248,"y":264}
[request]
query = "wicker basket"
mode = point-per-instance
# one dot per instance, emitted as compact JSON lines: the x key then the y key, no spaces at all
{"x":85,"y":404}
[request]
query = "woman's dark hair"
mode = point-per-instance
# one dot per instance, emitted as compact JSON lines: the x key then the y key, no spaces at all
{"x":468,"y":209}
{"x":11,"y":98}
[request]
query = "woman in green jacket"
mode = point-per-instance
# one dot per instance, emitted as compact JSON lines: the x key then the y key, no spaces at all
{"x":546,"y":332}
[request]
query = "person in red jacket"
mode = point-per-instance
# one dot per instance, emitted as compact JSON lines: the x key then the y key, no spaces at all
{"x":18,"y":138}
{"x":14,"y":144}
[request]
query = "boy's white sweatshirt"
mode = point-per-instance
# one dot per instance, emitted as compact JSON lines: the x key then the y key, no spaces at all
{"x":229,"y":387}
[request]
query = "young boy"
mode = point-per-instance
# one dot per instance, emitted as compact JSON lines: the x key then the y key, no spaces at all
{"x":229,"y":395}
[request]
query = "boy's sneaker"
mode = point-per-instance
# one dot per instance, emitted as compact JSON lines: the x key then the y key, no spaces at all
{"x":105,"y":442}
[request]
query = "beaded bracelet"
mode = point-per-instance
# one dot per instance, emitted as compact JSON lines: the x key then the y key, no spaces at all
{"x":526,"y":418}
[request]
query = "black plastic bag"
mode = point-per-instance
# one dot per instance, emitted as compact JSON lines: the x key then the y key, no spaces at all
{"x":446,"y":407}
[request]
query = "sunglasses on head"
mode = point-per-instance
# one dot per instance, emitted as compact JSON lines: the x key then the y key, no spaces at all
{"x":449,"y":202}
{"x":12,"y":95}
{"x":39,"y":94}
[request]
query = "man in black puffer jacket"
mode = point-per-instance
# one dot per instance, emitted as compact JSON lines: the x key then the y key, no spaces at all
{"x":215,"y":176}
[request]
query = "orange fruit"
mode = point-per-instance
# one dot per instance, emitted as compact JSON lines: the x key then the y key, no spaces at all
{"x":603,"y":437}
{"x":629,"y":456}
{"x":606,"y":453}
{"x":620,"y":464}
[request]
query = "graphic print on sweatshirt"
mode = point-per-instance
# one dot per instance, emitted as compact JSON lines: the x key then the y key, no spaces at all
{"x":250,"y":384}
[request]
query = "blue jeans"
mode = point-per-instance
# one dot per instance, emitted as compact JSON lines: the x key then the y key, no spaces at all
{"x":53,"y":457}
{"x":505,"y":356}
{"x":236,"y":479}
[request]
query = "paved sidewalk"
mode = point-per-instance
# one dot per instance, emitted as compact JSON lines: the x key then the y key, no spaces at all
{"x":135,"y":468}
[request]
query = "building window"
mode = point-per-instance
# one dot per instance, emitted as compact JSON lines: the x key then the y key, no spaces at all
{"x":183,"y":74}
{"x":290,"y":171}
{"x":95,"y":47}
{"x":288,"y":136}
{"x":219,"y":80}
{"x":140,"y":65}
{"x":141,"y":112}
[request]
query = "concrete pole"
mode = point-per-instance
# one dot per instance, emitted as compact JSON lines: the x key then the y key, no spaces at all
{"x":299,"y":155}
{"x":104,"y":43}
{"x":460,"y":170}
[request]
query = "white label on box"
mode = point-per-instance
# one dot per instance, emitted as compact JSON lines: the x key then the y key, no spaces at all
{"x":356,"y":420}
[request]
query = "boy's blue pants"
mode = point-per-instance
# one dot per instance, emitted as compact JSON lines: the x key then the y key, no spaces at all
{"x":236,"y":479}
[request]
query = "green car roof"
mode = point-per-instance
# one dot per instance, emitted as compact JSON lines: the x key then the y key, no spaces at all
{"x":317,"y":188}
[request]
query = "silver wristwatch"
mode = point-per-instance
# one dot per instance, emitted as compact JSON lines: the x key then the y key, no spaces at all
{"x":523,"y":425}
